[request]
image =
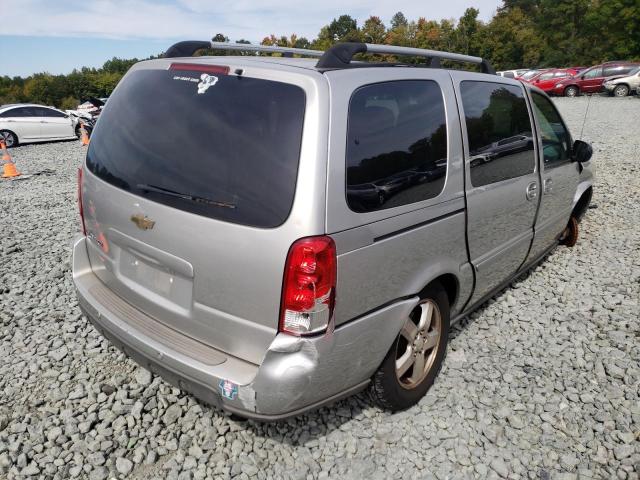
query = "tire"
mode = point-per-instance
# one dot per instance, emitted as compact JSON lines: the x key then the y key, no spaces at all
{"x":570,"y":235}
{"x":621,"y":91}
{"x":10,"y":138}
{"x":391,"y":387}
{"x":78,"y":131}
{"x":571,"y":91}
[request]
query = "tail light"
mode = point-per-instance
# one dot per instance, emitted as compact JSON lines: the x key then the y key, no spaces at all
{"x":200,"y":67}
{"x":84,"y":230}
{"x":309,"y":289}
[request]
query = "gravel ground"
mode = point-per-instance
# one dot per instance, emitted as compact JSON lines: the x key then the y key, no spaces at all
{"x":541,"y":383}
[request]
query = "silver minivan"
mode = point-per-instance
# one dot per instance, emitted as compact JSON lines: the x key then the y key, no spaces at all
{"x":274,"y":233}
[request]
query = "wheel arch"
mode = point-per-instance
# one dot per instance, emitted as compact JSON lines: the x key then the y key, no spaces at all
{"x":449,"y":282}
{"x":583,"y":202}
{"x":13,"y":133}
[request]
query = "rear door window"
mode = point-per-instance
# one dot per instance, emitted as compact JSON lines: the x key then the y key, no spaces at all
{"x":396,"y":144}
{"x":217,"y":145}
{"x":498,"y":131}
{"x":594,"y":73}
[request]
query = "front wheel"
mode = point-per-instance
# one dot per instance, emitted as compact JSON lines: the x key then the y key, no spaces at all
{"x":416,"y":356}
{"x":9,"y":138}
{"x":621,"y":91}
{"x":569,"y":237}
{"x":571,"y":92}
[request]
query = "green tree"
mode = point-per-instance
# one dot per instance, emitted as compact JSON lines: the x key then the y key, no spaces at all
{"x":373,"y":30}
{"x":399,"y":20}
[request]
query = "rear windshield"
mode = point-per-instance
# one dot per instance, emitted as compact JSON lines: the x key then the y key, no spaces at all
{"x":221,"y":146}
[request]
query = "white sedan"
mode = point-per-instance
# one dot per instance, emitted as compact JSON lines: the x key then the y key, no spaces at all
{"x":26,"y":123}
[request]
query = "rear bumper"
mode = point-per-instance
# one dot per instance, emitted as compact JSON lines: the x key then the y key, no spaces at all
{"x":296,"y":374}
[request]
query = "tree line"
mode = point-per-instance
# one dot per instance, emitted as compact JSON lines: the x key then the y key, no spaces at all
{"x":522,"y":33}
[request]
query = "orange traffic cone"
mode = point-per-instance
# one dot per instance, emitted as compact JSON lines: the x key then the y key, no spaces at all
{"x":9,"y":169}
{"x":84,"y":138}
{"x":5,"y":153}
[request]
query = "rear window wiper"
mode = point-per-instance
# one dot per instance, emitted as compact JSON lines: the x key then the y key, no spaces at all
{"x":185,"y":196}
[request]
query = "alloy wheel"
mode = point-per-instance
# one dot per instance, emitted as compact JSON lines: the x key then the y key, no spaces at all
{"x":7,"y":138}
{"x":621,"y":91}
{"x":417,"y":345}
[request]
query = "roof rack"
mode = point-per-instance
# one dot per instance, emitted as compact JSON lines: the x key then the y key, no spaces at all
{"x":337,"y":57}
{"x":341,"y":54}
{"x":188,"y":48}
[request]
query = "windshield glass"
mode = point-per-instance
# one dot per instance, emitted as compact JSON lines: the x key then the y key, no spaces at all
{"x":217,"y":145}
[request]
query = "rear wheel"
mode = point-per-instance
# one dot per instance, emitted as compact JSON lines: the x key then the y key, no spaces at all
{"x":621,"y":91}
{"x":416,"y":356}
{"x":571,"y":91}
{"x":9,"y":138}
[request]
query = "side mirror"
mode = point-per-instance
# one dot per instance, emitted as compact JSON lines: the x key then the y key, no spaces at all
{"x":581,"y":151}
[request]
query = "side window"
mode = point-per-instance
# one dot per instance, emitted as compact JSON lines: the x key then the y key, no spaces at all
{"x":396,"y":144}
{"x":15,"y":112}
{"x":556,"y":140}
{"x":48,"y":112}
{"x":498,"y":130}
{"x":595,"y":73}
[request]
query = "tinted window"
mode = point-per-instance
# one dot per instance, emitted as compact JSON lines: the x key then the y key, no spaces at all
{"x":498,"y":130}
{"x":221,"y":146}
{"x":48,"y":112}
{"x":18,"y":112}
{"x":396,"y":145}
{"x":547,"y":76}
{"x":595,"y":73}
{"x":556,"y":141}
{"x":618,"y":70}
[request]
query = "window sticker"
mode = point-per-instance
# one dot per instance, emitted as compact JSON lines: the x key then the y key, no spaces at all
{"x":228,"y":389}
{"x":204,"y":82}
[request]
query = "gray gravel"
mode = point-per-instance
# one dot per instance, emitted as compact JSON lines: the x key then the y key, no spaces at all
{"x":541,"y":383}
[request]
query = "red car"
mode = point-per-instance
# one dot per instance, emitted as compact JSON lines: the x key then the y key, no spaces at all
{"x":591,"y":80}
{"x":547,"y":80}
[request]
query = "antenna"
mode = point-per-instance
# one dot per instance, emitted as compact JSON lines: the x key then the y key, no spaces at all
{"x":584,"y":120}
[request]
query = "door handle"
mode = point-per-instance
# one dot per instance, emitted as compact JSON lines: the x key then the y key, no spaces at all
{"x":548,"y":186}
{"x":532,"y":191}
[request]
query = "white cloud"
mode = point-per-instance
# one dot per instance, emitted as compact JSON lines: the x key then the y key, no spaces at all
{"x":201,"y":19}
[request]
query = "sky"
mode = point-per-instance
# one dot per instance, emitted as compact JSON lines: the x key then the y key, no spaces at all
{"x":57,"y":36}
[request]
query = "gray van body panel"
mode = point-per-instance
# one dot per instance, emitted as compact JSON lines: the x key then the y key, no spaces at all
{"x":436,"y":247}
{"x":193,"y":273}
{"x":219,"y":322}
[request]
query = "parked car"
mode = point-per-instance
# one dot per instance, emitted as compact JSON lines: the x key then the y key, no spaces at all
{"x":623,"y":85}
{"x":26,"y":123}
{"x":529,"y":74}
{"x":591,"y":80}
{"x":547,"y":80}
{"x":512,"y":73}
{"x":241,"y":263}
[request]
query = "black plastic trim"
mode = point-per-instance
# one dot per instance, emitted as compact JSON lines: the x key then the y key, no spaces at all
{"x":340,"y":55}
{"x":186,"y":48}
{"x":417,"y":225}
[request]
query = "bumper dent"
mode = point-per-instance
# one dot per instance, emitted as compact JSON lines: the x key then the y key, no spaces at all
{"x":296,"y":374}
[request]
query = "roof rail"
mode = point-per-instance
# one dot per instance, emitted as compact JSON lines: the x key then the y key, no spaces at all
{"x":341,"y":54}
{"x":189,"y":47}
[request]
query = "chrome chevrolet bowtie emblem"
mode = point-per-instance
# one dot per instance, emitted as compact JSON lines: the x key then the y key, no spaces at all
{"x":142,"y":221}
